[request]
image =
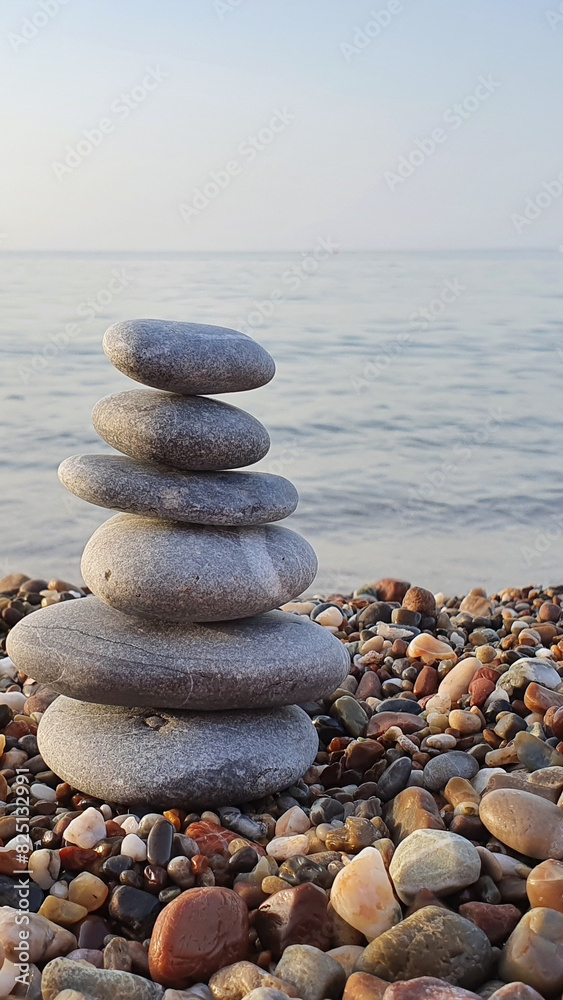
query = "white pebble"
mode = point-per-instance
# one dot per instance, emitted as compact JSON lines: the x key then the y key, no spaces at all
{"x":86,"y":830}
{"x":282,"y":848}
{"x":21,"y":842}
{"x":14,"y":699}
{"x":130,"y":824}
{"x":106,"y":811}
{"x":330,"y":616}
{"x":42,"y":792}
{"x":210,"y":817}
{"x":133,"y":847}
{"x":441,"y":741}
{"x":44,"y":867}
{"x":59,"y":889}
{"x":7,"y":668}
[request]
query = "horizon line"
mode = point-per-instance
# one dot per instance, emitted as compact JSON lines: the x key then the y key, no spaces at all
{"x":477,"y":249}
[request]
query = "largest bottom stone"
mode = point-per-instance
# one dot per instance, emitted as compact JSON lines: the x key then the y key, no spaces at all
{"x":175,"y":759}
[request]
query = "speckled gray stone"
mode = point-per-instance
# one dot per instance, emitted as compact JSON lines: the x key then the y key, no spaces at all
{"x":192,"y":572}
{"x":174,"y":759}
{"x":186,"y":432}
{"x":136,"y":487}
{"x":105,"y":984}
{"x":189,"y":358}
{"x":454,"y":764}
{"x":90,"y":651}
{"x":528,"y":670}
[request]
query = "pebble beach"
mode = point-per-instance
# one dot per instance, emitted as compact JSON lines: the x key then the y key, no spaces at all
{"x":419,"y":856}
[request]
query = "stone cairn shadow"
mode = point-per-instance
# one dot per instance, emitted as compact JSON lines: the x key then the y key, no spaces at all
{"x":178,"y":677}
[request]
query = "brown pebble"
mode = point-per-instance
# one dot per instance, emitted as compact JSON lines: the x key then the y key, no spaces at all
{"x":196,"y":934}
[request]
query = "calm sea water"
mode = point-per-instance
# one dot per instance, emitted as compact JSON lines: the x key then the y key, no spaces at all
{"x":417,"y":404}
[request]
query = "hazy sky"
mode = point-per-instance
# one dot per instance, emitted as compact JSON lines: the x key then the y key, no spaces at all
{"x":264,"y":124}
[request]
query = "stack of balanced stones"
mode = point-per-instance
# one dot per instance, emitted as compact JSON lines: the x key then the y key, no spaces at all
{"x":178,"y":679}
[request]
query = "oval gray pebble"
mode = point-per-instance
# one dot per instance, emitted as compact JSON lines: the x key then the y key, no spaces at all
{"x":191,"y":759}
{"x":186,"y":432}
{"x":454,"y":764}
{"x":87,"y":650}
{"x":188,"y":358}
{"x":136,"y":487}
{"x":197,"y":573}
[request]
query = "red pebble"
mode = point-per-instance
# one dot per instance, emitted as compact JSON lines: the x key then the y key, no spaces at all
{"x":75,"y":859}
{"x":426,"y":683}
{"x":214,"y":839}
{"x":114,"y":829}
{"x":199,"y":863}
{"x":480,"y":689}
{"x":554,"y":719}
{"x":199,"y":932}
{"x":496,"y":920}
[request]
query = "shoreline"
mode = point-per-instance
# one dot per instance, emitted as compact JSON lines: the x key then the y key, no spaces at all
{"x":449,"y":722}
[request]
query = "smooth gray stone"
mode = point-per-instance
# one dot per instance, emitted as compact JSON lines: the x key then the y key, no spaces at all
{"x":149,"y":490}
{"x":186,"y":432}
{"x":170,"y":759}
{"x":195,"y":572}
{"x":105,"y":984}
{"x":189,"y":358}
{"x":87,"y":650}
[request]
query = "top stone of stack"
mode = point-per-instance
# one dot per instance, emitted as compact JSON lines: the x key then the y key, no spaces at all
{"x":187,"y":358}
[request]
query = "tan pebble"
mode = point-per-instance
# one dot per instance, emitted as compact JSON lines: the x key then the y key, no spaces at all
{"x":346,"y":955}
{"x":429,"y":649}
{"x":457,"y":681}
{"x":88,"y":890}
{"x":330,"y":616}
{"x":272,"y":884}
{"x":362,"y":895}
{"x":486,"y":654}
{"x":441,"y":741}
{"x":439,"y":703}
{"x":437,"y":721}
{"x":476,"y":603}
{"x":465,"y":722}
{"x":299,"y":607}
{"x":545,"y":885}
{"x":61,"y":911}
{"x":373,"y":645}
{"x":533,"y":953}
{"x":292,"y":821}
{"x":489,"y":864}
{"x":281,"y":848}
{"x":460,"y":790}
{"x":525,"y":822}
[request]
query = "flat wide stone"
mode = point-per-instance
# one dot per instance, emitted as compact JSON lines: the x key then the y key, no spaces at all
{"x":87,"y":650}
{"x":189,"y":358}
{"x":186,"y":432}
{"x":175,"y":759}
{"x":199,"y":573}
{"x":149,"y":490}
